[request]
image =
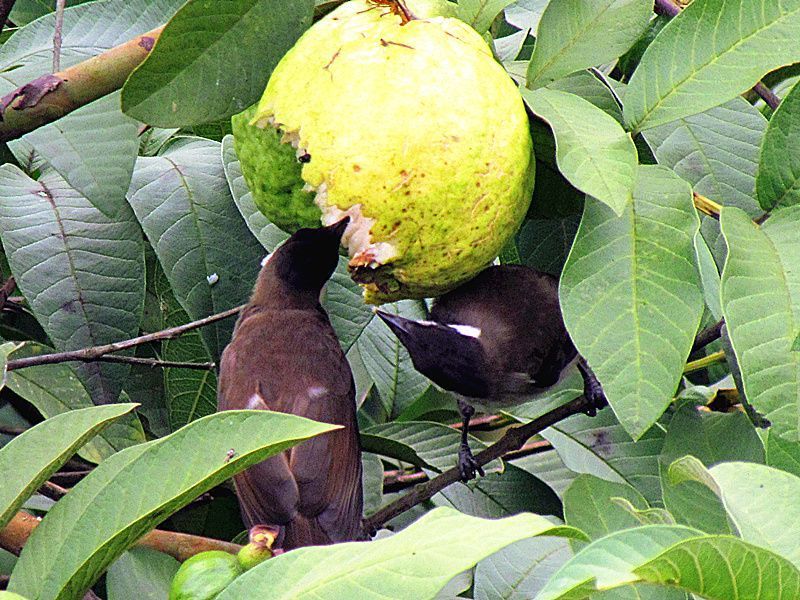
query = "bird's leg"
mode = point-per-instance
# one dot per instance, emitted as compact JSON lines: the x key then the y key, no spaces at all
{"x":592,"y":389}
{"x":466,"y":461}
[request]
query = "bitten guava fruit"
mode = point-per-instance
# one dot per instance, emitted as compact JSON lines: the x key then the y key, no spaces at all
{"x":204,"y":576}
{"x":397,"y":115}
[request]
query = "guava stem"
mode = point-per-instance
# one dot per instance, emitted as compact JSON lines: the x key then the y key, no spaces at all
{"x":405,"y":14}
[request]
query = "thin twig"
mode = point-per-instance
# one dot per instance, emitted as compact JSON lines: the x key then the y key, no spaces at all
{"x":767,"y":95}
{"x":513,"y":439}
{"x":154,"y":362}
{"x":396,"y":480}
{"x":4,"y":430}
{"x":708,"y":335}
{"x":57,"y":34}
{"x":95,"y":352}
{"x":53,"y":491}
{"x":6,"y":289}
{"x":706,"y":361}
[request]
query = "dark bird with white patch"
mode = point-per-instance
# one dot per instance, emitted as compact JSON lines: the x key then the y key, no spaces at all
{"x":284,"y":356}
{"x":494,"y":341}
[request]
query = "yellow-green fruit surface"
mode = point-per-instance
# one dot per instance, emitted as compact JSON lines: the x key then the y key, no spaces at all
{"x":416,"y":132}
{"x":204,"y":576}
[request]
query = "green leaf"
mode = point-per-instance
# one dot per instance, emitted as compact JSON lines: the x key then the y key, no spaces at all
{"x":592,"y":150}
{"x":141,"y":573}
{"x":709,"y":276}
{"x":609,"y":562}
{"x":705,"y":435}
{"x":110,"y":509}
{"x":775,"y":524}
{"x":197,"y":73}
{"x":480,"y":14}
{"x":711,"y":52}
{"x":500,"y":494}
{"x":720,"y":568}
{"x":544,"y":243}
{"x":525,"y":14}
{"x":417,"y":562}
{"x":55,"y":389}
{"x":30,"y":458}
{"x":584,"y":33}
{"x":94,"y":149}
{"x":81,"y":272}
{"x":761,"y":304}
{"x":588,"y":506}
{"x":182,"y":201}
{"x":635,"y":276}
{"x":783,"y":454}
{"x":421,"y":443}
{"x":388,"y":362}
{"x":521,"y":569}
{"x":716,"y":151}
{"x":87,"y":30}
{"x":590,"y":88}
{"x":778,"y":180}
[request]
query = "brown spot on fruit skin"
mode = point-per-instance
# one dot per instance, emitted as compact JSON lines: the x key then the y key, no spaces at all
{"x":147,"y":42}
{"x":356,"y":168}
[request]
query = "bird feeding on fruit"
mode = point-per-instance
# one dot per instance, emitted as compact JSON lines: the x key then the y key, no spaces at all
{"x":494,"y":341}
{"x":284,"y":356}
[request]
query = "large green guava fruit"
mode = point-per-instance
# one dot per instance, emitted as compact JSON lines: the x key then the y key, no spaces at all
{"x":204,"y":576}
{"x":403,"y":120}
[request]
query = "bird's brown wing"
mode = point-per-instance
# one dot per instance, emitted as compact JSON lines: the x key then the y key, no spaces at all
{"x":305,"y":374}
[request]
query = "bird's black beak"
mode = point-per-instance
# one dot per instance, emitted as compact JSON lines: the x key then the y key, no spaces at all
{"x":396,"y":323}
{"x":338,"y":228}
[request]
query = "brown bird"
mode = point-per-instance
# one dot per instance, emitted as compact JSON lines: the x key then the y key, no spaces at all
{"x":284,"y":356}
{"x":494,"y":341}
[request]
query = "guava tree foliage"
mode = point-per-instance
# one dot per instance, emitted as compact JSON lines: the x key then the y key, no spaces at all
{"x":667,"y":142}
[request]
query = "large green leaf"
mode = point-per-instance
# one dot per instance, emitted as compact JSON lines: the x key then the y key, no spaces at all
{"x":778,"y":181}
{"x":81,"y":272}
{"x":716,"y":567}
{"x":141,"y":573}
{"x":631,"y":295}
{"x":199,"y":73}
{"x":500,"y":494}
{"x":588,"y":506}
{"x":87,"y":30}
{"x":29,"y":459}
{"x":113,"y":506}
{"x":711,"y":52}
{"x":415,"y":563}
{"x":94,"y":148}
{"x":592,"y":150}
{"x":520,"y":570}
{"x":584,"y":33}
{"x":54,"y":389}
{"x":774,"y":524}
{"x":211,"y":260}
{"x":783,"y":454}
{"x":705,"y":436}
{"x":761,"y":303}
{"x":481,"y":13}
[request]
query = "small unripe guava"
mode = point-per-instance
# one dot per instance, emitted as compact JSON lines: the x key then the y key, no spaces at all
{"x":204,"y":576}
{"x":411,"y":128}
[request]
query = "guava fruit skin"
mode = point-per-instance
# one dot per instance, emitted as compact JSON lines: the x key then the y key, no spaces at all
{"x":417,"y":125}
{"x":272,"y":173}
{"x":204,"y":576}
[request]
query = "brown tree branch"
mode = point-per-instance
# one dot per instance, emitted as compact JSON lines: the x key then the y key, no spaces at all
{"x":178,"y":545}
{"x":97,"y":352}
{"x":513,"y":439}
{"x":708,"y":335}
{"x":154,"y":362}
{"x":5,"y":291}
{"x":57,"y":34}
{"x":52,"y":96}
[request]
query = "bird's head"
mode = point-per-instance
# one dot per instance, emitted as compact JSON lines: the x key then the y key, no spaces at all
{"x":304,"y":262}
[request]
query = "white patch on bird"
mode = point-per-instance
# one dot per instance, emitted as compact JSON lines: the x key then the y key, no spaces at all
{"x":467,"y":330}
{"x":265,"y":260}
{"x":212,"y":279}
{"x":317,"y":391}
{"x":256,"y":402}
